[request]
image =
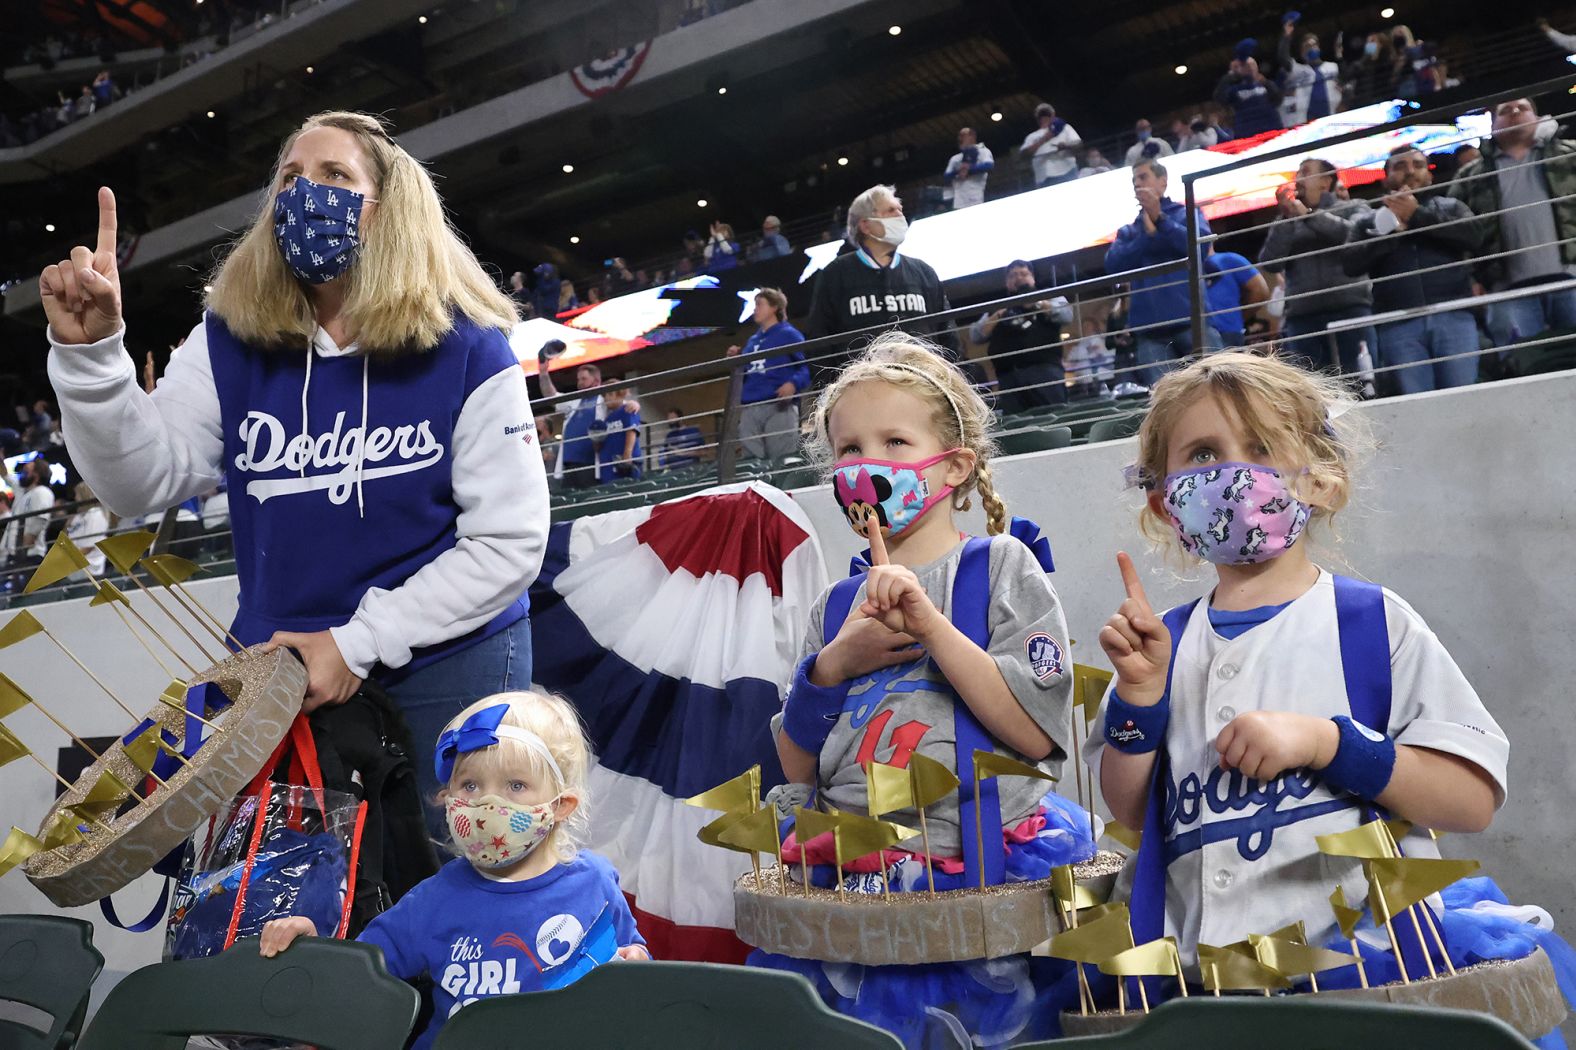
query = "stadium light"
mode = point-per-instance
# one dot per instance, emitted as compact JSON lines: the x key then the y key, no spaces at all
{"x":1388,"y":12}
{"x":701,"y":203}
{"x":49,"y":227}
{"x":894,"y":30}
{"x":422,"y":20}
{"x":842,"y":162}
{"x":569,"y":169}
{"x":722,"y":91}
{"x":574,"y":240}
{"x":310,"y":70}
{"x":996,"y":116}
{"x":210,"y":114}
{"x":1181,"y":71}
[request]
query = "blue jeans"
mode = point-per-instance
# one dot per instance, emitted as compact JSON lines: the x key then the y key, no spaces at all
{"x":431,"y":697}
{"x":1308,"y":343}
{"x":1421,"y":339}
{"x":1517,"y":320}
{"x":1158,"y":349}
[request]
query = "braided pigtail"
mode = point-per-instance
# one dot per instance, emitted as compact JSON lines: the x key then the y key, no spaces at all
{"x":994,"y":506}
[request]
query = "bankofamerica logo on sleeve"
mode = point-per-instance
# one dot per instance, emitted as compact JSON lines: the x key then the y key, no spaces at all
{"x":1045,"y":655}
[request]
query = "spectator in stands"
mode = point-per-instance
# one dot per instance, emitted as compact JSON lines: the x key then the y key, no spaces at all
{"x":1372,"y":77}
{"x":877,"y":284}
{"x":1094,"y":163}
{"x":694,"y":251}
{"x":1089,"y":362}
{"x":1417,"y":70}
{"x":577,"y":453}
{"x":616,"y":279}
{"x":1052,"y":147}
{"x":1160,"y":310}
{"x":88,"y":524}
{"x":33,"y":499}
{"x":967,"y":171}
{"x":1304,"y":243}
{"x":1525,"y":190}
{"x":567,"y":299}
{"x":1253,"y":98}
{"x":1411,"y":269}
{"x":521,"y":294}
{"x":769,"y":396}
{"x":83,"y":105}
{"x":1194,"y":133}
{"x":1024,"y":341}
{"x":8,"y":541}
{"x":617,"y":435}
{"x":104,"y":90}
{"x":1235,"y":290}
{"x":1564,"y":41}
{"x":722,"y":251}
{"x":544,"y":293}
{"x":773,"y":245}
{"x":1466,"y":153}
{"x":1147,"y":145}
{"x":681,"y":446}
{"x":1312,"y":82}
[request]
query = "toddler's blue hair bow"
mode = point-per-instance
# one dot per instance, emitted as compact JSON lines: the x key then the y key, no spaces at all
{"x":482,"y":730}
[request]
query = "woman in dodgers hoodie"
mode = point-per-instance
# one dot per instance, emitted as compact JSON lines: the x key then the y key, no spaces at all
{"x":360,"y":398}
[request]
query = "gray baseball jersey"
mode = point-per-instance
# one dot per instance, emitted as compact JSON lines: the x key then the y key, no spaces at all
{"x":892,"y":713}
{"x":1241,"y":856}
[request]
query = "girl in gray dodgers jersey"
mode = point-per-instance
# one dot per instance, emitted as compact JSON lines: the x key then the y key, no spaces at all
{"x":907,"y":439}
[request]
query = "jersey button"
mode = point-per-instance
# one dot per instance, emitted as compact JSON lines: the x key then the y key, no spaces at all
{"x":1227,"y":672}
{"x":1227,"y":713}
{"x":1224,"y":878}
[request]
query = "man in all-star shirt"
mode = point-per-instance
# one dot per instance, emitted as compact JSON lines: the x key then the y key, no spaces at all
{"x":577,"y":456}
{"x":618,"y":453}
{"x":876,"y":284}
{"x":1025,"y":345}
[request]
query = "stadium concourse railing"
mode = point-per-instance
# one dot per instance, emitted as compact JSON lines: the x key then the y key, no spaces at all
{"x":1101,"y":399}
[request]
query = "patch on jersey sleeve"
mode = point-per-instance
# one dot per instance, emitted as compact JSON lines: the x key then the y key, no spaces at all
{"x":1045,"y":655}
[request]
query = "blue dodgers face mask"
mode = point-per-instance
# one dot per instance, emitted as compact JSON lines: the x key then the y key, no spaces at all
{"x":318,"y":228}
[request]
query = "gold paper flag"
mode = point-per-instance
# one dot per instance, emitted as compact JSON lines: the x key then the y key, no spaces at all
{"x":1407,"y":880}
{"x":1294,"y":958}
{"x":1095,"y":941}
{"x":812,"y":823}
{"x":1157,"y":958}
{"x":1123,"y":834}
{"x":1294,"y":933}
{"x":989,"y":764}
{"x":1368,"y":841}
{"x":754,"y":832}
{"x":170,"y":569}
{"x":145,"y":747}
{"x":11,"y":748}
{"x":108,"y":592}
{"x":931,"y":780}
{"x":62,"y":560}
{"x":861,"y":836}
{"x":63,"y":829}
{"x":21,"y":626}
{"x":889,"y":788}
{"x":18,"y":846}
{"x":108,"y":793}
{"x":1225,"y":969}
{"x":124,"y":550}
{"x":12,"y":697}
{"x":1065,"y":888}
{"x":711,"y":834}
{"x":740,"y":795}
{"x":1346,"y":917}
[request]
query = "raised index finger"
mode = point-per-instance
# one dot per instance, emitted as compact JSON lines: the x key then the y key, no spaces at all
{"x":107,"y":225}
{"x":1130,"y":580}
{"x":878,"y":551}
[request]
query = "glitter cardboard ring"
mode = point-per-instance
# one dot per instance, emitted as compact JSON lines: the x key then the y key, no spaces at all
{"x":908,"y":928}
{"x":266,"y":691}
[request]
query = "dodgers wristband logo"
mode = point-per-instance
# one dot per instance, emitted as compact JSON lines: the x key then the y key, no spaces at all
{"x":1136,"y":730}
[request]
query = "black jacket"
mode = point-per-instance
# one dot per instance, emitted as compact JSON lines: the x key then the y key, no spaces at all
{"x":853,"y":293}
{"x":1401,"y":262}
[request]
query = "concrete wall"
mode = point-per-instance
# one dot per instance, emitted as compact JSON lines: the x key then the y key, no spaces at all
{"x":1467,"y":512}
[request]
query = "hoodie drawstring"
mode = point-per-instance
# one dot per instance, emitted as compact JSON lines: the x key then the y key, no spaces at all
{"x":361,"y":445}
{"x":311,"y":352}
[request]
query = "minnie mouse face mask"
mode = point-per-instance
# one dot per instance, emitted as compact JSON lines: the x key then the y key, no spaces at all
{"x":896,"y":494}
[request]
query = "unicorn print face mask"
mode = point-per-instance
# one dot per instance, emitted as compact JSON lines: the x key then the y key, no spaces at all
{"x":1234,"y":513}
{"x":895,"y":493}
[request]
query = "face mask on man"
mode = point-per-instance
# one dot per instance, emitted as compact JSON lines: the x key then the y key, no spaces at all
{"x":893,"y":229}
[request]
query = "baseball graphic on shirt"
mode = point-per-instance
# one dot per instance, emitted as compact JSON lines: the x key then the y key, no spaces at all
{"x":557,"y":939}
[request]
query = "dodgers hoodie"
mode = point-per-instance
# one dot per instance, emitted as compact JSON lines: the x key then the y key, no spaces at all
{"x":397,"y":501}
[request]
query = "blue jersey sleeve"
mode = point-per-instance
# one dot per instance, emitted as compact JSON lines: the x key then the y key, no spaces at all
{"x":395,"y":932}
{"x":618,"y":905}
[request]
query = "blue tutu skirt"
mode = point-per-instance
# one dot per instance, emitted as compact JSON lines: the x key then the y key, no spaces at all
{"x":1478,"y":924}
{"x":963,"y":1005}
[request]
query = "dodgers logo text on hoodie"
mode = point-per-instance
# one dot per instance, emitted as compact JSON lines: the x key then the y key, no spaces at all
{"x":329,"y":460}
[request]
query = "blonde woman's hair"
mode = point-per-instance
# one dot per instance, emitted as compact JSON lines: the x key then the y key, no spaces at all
{"x":555,"y":720}
{"x":1300,"y":416}
{"x":958,"y":415}
{"x":411,"y":271}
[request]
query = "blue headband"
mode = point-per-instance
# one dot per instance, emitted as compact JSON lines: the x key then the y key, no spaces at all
{"x":481,"y":731}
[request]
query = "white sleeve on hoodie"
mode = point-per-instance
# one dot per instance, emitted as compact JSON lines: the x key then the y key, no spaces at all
{"x":501,"y":489}
{"x":142,"y":453}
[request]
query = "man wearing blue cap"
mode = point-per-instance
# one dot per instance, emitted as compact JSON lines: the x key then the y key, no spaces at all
{"x":1254,"y":99}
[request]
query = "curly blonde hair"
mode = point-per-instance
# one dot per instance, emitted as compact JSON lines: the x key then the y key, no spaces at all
{"x":555,"y":720}
{"x":411,"y":273}
{"x":1300,"y":416}
{"x":958,"y":413}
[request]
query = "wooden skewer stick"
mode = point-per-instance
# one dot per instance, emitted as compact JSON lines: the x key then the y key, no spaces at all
{"x":153,"y":595}
{"x":930,"y":868}
{"x":47,"y":768}
{"x":143,"y":642}
{"x":181,"y":590}
{"x":1362,"y":974}
{"x":1395,"y":945}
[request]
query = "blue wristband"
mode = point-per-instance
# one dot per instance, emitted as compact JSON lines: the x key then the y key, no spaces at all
{"x":1136,"y":730}
{"x":1363,"y":763}
{"x":812,"y":710}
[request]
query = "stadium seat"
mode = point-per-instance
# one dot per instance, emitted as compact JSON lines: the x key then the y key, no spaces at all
{"x":335,"y":995}
{"x":660,"y":1005}
{"x":1034,"y":439}
{"x":1112,"y":429}
{"x":1300,"y":1022}
{"x":47,"y":962}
